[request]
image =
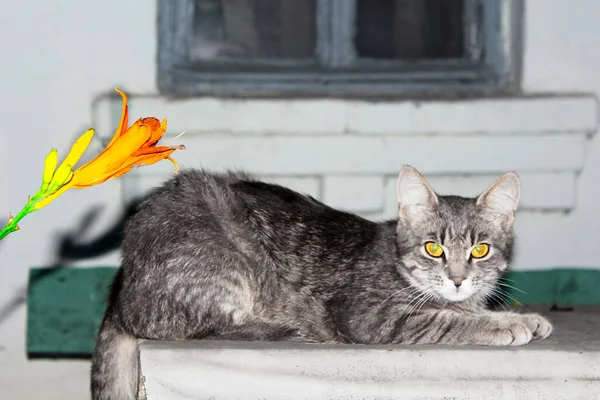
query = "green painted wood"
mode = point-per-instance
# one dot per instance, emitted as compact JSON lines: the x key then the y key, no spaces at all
{"x":561,"y":286}
{"x":66,"y":305}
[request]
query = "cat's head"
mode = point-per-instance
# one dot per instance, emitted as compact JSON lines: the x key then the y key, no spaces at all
{"x":455,"y":248}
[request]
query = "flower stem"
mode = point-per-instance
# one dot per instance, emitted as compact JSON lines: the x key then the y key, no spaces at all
{"x":13,"y":222}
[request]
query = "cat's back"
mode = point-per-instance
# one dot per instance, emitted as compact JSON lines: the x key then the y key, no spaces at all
{"x":200,"y":213}
{"x":188,"y":195}
{"x":186,"y":209}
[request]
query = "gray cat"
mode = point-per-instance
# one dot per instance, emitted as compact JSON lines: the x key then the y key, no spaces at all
{"x":226,"y":256}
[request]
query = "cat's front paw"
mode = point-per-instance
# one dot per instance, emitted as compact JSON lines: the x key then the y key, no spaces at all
{"x":514,"y":329}
{"x":539,"y":326}
{"x":512,"y":333}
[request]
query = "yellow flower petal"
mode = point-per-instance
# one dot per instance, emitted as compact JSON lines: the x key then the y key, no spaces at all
{"x":78,"y":148}
{"x":49,"y":168}
{"x":62,"y":176}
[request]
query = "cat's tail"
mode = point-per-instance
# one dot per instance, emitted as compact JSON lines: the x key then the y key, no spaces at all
{"x":114,"y":364}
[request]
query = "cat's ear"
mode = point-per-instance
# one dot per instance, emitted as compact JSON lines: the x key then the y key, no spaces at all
{"x":499,"y":202}
{"x":416,"y":199}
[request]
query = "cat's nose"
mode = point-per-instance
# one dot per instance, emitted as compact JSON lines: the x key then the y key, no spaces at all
{"x":458,"y":280}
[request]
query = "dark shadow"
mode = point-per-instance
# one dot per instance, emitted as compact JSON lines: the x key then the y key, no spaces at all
{"x":18,"y":299}
{"x":504,"y":297}
{"x":69,"y":249}
{"x":557,"y":308}
{"x":501,"y":298}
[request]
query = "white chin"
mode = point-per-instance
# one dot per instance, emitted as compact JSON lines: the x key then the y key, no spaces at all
{"x":459,"y":295}
{"x":453,"y":293}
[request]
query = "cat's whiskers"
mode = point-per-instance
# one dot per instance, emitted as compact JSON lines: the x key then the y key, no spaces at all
{"x":489,"y":293}
{"x":414,"y":291}
{"x":421,"y":294}
{"x":497,"y":291}
{"x":420,"y":301}
{"x":511,"y":287}
{"x":517,"y":302}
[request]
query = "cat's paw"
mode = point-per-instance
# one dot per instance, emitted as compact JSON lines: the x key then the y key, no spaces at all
{"x":513,"y":329}
{"x":539,"y":326}
{"x":511,"y":334}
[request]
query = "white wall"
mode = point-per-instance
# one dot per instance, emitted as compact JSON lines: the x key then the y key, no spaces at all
{"x":57,"y":57}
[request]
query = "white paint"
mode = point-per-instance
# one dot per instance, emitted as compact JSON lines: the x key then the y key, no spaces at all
{"x":256,"y":117}
{"x":136,"y":186}
{"x":66,"y":58}
{"x":345,"y":154}
{"x":305,"y":185}
{"x":312,"y":117}
{"x":544,"y":191}
{"x":538,"y":191}
{"x":360,"y":194}
{"x":501,"y":116}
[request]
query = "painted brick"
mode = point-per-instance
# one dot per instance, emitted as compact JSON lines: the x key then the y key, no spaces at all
{"x":245,"y":116}
{"x":376,"y":217}
{"x":361,"y":194}
{"x":138,"y":185}
{"x":300,"y":116}
{"x":376,"y":155}
{"x":540,"y":240}
{"x":305,"y":185}
{"x":106,"y":113}
{"x":539,"y":191}
{"x":525,"y":115}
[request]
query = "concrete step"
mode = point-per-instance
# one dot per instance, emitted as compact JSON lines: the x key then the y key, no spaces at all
{"x":565,"y":366}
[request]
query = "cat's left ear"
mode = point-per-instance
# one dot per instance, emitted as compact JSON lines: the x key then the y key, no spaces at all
{"x":499,"y":202}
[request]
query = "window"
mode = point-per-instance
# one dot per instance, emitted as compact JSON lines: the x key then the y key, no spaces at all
{"x":337,"y":47}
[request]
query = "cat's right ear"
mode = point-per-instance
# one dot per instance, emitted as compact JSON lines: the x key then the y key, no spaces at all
{"x":416,"y":199}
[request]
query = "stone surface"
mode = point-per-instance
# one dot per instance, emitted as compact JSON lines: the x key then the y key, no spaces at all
{"x":566,"y":366}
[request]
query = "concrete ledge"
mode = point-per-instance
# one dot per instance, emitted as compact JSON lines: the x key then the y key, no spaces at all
{"x":566,"y":366}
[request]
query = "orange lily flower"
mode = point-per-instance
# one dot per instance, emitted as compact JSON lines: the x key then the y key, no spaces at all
{"x":130,"y":146}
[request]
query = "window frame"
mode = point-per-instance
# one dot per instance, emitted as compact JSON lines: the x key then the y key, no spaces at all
{"x":499,"y":71}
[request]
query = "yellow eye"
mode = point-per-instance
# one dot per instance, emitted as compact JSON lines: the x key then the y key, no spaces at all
{"x":434,"y":249}
{"x":480,"y":250}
